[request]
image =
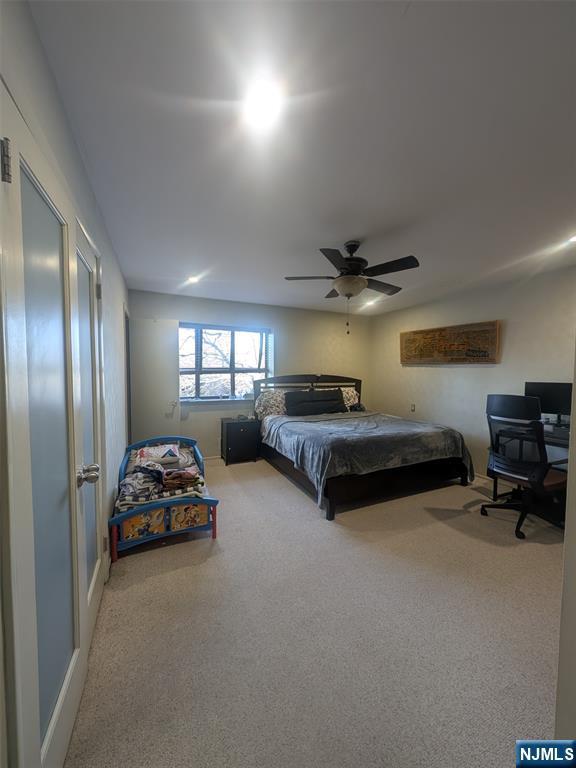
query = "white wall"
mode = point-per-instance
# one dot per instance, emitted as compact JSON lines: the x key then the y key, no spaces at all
{"x":538,"y":331}
{"x":27,"y":75}
{"x":305,"y":342}
{"x":538,"y":319}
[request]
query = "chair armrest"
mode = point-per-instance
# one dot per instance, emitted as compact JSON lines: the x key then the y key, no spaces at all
{"x":558,"y":461}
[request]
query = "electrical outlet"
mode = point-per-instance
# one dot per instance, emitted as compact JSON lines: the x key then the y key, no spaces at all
{"x":413,"y":407}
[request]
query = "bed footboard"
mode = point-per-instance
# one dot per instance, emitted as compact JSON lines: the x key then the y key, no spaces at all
{"x":358,"y":490}
{"x":159,"y":519}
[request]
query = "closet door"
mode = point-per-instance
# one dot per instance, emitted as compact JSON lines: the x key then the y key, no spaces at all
{"x":49,"y":427}
{"x":48,"y":547}
{"x":91,"y":456}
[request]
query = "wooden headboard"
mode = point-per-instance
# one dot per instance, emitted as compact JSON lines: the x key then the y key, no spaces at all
{"x":306,"y":381}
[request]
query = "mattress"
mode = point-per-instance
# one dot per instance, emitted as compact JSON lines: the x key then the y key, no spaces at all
{"x":357,"y":443}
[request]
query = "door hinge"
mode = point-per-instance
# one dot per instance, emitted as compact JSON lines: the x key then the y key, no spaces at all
{"x":105,"y":544}
{"x":99,"y":291}
{"x":5,"y":160}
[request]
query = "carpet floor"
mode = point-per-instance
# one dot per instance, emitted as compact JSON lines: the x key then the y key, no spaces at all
{"x":410,"y":633}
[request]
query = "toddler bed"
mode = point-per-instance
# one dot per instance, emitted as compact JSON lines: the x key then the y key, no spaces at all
{"x":161,"y":493}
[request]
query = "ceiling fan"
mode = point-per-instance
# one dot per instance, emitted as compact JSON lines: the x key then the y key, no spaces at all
{"x":355,"y":275}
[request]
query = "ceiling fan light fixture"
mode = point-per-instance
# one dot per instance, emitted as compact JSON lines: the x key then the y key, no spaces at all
{"x":350,"y":285}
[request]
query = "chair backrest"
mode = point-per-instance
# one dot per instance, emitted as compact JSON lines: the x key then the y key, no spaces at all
{"x":517,"y":446}
{"x":519,"y":407}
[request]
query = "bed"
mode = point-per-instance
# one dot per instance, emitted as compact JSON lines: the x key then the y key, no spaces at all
{"x":356,"y":457}
{"x":155,"y":511}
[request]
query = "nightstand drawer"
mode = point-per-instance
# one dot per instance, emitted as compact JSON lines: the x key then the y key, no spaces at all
{"x":240,"y":440}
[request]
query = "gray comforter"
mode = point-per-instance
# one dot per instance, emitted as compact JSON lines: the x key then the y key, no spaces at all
{"x":357,"y":443}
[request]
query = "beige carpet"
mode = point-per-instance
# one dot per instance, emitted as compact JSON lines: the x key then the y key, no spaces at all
{"x":409,"y":633}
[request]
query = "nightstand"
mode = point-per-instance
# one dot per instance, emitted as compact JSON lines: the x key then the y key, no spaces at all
{"x":240,"y":440}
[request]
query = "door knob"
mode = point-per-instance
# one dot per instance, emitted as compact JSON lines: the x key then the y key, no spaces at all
{"x":90,"y":473}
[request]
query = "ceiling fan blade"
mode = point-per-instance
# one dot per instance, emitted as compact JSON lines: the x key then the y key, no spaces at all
{"x":334,"y":257}
{"x":386,"y":288}
{"x":398,"y":265}
{"x":332,"y":294}
{"x":311,"y":277}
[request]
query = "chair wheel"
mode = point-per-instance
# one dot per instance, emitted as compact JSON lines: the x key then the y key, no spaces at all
{"x":484,"y":512}
{"x":520,"y":535}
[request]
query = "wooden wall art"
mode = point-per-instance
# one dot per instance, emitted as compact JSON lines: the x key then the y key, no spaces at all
{"x":472,"y":343}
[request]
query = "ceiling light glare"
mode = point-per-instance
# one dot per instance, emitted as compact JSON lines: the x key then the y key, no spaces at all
{"x":193,"y":279}
{"x":263,"y":105}
{"x":571,"y":241}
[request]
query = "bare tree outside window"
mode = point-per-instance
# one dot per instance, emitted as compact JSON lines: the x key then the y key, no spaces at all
{"x":216,"y":348}
{"x":222,"y":363}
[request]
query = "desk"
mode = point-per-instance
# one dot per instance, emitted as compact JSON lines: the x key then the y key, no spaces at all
{"x":557,"y":445}
{"x":558,"y":440}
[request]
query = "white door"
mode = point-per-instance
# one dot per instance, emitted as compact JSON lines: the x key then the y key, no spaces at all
{"x":91,"y":455}
{"x":55,"y":552}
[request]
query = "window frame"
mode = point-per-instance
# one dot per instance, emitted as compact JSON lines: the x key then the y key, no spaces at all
{"x":266,"y":370}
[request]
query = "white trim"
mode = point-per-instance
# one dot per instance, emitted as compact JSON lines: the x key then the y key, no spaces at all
{"x":566,"y":691}
{"x":4,"y":550}
{"x":23,"y":711}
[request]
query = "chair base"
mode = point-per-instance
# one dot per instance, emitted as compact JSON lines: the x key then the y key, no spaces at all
{"x":515,"y":505}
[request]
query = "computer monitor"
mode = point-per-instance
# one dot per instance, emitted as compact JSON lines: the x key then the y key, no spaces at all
{"x":554,"y":397}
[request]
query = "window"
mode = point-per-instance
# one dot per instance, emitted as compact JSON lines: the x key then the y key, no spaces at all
{"x":222,"y":363}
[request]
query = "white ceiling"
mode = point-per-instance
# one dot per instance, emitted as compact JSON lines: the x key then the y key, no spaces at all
{"x":446,"y":130}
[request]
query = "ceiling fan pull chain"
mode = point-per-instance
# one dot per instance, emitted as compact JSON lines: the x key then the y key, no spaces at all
{"x":348,"y":315}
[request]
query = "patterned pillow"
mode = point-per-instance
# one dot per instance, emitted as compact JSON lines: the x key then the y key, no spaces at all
{"x":350,"y":396}
{"x":270,"y":403}
{"x":186,"y":460}
{"x":166,"y":453}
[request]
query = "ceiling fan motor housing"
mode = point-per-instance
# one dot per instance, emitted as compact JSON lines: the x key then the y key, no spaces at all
{"x":355,"y":265}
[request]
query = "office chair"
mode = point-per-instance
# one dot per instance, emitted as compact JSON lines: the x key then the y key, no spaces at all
{"x":518,"y":455}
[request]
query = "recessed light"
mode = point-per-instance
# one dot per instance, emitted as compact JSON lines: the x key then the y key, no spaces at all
{"x":263,"y":105}
{"x":193,"y":279}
